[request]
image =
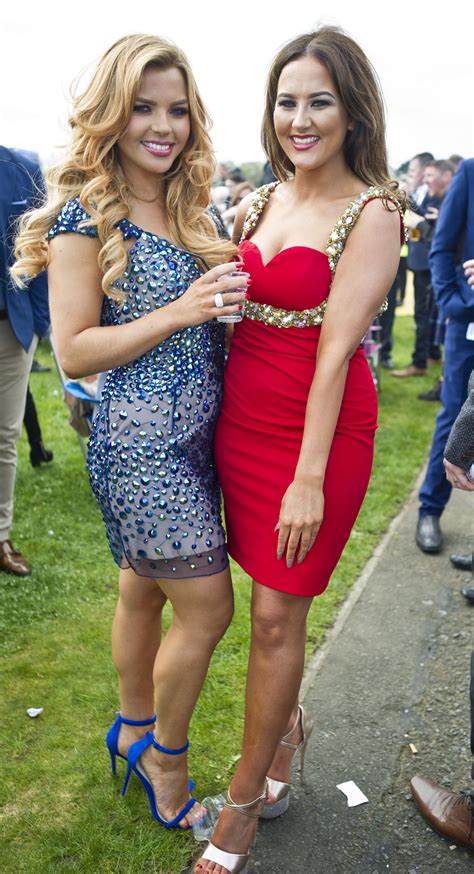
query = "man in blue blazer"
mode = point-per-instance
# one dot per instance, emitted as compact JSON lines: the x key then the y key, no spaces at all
{"x":453,"y":244}
{"x":24,"y":317}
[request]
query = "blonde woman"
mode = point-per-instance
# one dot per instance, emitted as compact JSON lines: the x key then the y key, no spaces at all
{"x":137,"y":277}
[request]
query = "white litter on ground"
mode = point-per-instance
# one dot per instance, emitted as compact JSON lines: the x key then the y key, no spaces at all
{"x":353,"y":794}
{"x":34,"y":711}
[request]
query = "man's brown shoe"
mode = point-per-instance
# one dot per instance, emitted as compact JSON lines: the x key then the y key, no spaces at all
{"x":450,"y":813}
{"x":411,"y":370}
{"x":11,"y":561}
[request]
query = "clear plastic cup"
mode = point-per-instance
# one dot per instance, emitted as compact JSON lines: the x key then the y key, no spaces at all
{"x":234,"y":317}
{"x":205,"y":819}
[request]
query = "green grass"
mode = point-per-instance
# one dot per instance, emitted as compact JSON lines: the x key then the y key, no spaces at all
{"x":62,"y":811}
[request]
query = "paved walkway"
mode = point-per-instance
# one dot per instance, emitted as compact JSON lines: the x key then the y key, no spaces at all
{"x":396,"y":673}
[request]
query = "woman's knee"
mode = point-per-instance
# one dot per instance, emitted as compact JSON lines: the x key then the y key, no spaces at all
{"x":269,"y":628}
{"x":275,"y":622}
{"x":208,"y":625}
{"x":219,"y":623}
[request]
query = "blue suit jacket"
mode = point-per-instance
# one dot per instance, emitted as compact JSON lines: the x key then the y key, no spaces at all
{"x":453,"y":244}
{"x":21,"y":187}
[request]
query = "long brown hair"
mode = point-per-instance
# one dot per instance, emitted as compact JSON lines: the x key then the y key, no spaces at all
{"x":92,"y":170}
{"x":364,"y":148}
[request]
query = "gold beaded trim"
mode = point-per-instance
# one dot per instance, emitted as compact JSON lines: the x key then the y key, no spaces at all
{"x":343,"y":227}
{"x":281,"y":318}
{"x":259,"y":202}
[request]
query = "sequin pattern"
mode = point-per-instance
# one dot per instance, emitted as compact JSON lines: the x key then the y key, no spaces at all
{"x":150,"y":451}
{"x":334,"y":248}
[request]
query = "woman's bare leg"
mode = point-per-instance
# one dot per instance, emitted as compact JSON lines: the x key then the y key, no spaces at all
{"x":202,"y":610}
{"x":275,"y":670}
{"x":136,"y":636}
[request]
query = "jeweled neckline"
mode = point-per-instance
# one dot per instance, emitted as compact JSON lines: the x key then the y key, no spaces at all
{"x":336,"y":240}
{"x":155,"y":237}
{"x":125,"y":222}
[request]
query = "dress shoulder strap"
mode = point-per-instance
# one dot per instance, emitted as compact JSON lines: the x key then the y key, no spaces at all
{"x":259,"y":201}
{"x":343,"y":227}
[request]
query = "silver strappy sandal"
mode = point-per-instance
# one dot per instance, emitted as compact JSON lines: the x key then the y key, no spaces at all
{"x":281,"y":791}
{"x":236,"y":863}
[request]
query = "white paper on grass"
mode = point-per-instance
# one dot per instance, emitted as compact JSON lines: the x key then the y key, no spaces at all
{"x":34,"y":711}
{"x":353,"y":794}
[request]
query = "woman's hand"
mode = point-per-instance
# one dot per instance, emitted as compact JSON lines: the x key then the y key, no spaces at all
{"x":301,"y":515}
{"x":198,"y":303}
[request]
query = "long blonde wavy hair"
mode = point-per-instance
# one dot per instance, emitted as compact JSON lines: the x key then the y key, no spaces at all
{"x":92,"y":170}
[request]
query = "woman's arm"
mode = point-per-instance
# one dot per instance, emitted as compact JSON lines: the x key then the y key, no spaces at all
{"x":76,"y":298}
{"x":364,"y":275}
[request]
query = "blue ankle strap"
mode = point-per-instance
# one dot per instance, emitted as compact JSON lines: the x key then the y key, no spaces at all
{"x":136,"y":721}
{"x":170,"y":752}
{"x":136,"y":750}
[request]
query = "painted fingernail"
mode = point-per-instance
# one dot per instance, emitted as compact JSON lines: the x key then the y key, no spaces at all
{"x":240,"y":307}
{"x":289,"y":563}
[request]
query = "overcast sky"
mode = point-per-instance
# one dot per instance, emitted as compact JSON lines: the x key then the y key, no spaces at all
{"x":422,"y":53}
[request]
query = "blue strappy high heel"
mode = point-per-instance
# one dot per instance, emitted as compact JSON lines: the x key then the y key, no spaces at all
{"x":111,"y":738}
{"x":133,"y":756}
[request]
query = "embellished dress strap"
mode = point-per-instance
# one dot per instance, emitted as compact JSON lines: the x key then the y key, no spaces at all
{"x":259,"y":201}
{"x":73,"y":219}
{"x":341,"y":230}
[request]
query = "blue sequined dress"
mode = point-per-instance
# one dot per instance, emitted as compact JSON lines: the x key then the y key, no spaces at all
{"x":150,"y":451}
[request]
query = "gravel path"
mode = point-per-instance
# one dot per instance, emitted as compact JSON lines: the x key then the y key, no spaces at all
{"x":396,"y":674}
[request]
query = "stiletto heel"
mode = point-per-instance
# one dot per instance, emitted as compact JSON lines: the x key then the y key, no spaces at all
{"x":236,"y":863}
{"x":279,"y":790}
{"x":112,"y":762}
{"x":135,"y":751}
{"x":111,"y":738}
{"x":302,"y":761}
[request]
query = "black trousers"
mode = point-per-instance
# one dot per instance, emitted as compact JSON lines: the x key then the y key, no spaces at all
{"x":426,"y":315}
{"x":395,"y":295}
{"x":31,"y":422}
{"x":423,"y":298}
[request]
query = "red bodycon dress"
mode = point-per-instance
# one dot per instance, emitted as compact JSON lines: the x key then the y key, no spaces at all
{"x":258,"y":438}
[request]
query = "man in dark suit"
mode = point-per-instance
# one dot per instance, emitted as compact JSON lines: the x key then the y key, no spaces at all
{"x":24,"y":317}
{"x":453,"y":244}
{"x":421,"y":222}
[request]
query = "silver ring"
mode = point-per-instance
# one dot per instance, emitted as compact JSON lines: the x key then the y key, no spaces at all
{"x":219,"y":300}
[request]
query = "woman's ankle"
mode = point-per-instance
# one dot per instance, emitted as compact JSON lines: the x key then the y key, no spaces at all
{"x":245,"y":788}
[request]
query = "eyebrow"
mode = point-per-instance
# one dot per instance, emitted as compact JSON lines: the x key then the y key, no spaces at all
{"x":153,"y":102}
{"x":310,"y":96}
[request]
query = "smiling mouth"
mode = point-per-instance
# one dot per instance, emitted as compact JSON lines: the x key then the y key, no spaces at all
{"x":304,"y":142}
{"x":157,"y":148}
